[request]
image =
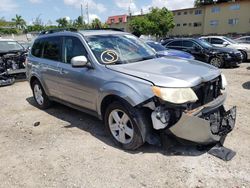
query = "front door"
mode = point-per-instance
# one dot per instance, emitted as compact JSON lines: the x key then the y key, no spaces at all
{"x":75,"y":83}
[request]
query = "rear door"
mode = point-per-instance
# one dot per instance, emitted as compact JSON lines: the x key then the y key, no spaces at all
{"x":76,"y":83}
{"x":48,"y":62}
{"x":194,"y":49}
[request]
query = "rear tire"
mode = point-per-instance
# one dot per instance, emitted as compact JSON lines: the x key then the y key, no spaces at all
{"x":41,"y":99}
{"x":126,"y":125}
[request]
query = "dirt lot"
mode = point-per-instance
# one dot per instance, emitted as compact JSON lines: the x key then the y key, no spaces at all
{"x":71,"y":149}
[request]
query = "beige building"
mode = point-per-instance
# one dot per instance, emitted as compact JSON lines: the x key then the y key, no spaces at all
{"x":224,"y":18}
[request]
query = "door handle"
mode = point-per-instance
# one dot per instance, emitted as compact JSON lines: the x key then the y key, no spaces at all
{"x":62,"y":71}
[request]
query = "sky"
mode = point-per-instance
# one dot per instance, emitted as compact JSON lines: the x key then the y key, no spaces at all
{"x":51,"y":10}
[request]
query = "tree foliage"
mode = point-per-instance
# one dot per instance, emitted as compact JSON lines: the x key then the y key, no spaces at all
{"x":208,"y":2}
{"x":19,"y":22}
{"x":18,"y":25}
{"x":157,"y":23}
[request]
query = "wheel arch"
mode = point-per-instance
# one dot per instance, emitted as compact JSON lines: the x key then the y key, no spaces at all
{"x":122,"y":92}
{"x":35,"y":77}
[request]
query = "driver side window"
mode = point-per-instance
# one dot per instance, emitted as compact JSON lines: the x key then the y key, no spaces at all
{"x":72,"y":47}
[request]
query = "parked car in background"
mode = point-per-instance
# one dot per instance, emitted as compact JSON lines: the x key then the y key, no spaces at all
{"x":205,"y":52}
{"x":26,"y":45}
{"x":245,"y":40}
{"x":162,"y":51}
{"x":12,"y":61}
{"x":221,"y":41}
{"x":118,"y":78}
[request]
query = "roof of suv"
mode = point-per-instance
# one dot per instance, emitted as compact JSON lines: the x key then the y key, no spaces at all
{"x":101,"y":32}
{"x":83,"y":32}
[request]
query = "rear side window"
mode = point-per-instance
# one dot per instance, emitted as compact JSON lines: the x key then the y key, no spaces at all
{"x":37,"y":48}
{"x":177,"y":43}
{"x":52,"y":48}
{"x":216,"y":41}
{"x":72,"y":47}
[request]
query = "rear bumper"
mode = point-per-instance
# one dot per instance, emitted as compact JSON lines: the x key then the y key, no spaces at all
{"x":205,"y":125}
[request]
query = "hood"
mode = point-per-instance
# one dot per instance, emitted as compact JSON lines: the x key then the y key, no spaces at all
{"x":169,"y":71}
{"x":176,"y":53}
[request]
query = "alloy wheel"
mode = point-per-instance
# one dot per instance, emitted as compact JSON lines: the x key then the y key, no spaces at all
{"x":121,"y":126}
{"x":38,"y":94}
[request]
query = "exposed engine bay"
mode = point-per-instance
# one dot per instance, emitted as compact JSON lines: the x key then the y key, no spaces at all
{"x":12,"y":66}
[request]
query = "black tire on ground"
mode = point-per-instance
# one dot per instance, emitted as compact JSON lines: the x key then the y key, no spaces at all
{"x":46,"y":103}
{"x":217,"y":62}
{"x":137,"y":121}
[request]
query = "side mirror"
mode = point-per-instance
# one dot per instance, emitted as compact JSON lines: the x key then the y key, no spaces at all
{"x":79,"y":61}
{"x":225,"y":44}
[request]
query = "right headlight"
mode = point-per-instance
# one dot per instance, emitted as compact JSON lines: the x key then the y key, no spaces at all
{"x":223,"y":81}
{"x":175,"y":95}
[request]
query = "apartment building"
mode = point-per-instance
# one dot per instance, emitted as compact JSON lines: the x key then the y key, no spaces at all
{"x":223,"y":18}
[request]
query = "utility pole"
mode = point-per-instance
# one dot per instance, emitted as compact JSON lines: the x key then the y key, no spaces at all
{"x":129,"y":8}
{"x":81,"y":11}
{"x":87,"y":11}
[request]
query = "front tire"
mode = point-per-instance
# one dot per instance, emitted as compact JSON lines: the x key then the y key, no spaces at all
{"x":244,"y":55}
{"x":41,"y":99}
{"x":217,"y":62}
{"x":126,"y":125}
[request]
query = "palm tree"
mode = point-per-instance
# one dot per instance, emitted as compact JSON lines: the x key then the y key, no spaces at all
{"x":19,"y":22}
{"x":62,"y":22}
{"x":96,"y":23}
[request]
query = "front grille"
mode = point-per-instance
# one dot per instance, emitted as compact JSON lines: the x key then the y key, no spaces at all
{"x":207,"y":92}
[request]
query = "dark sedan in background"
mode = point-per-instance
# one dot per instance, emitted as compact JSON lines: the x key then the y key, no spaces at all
{"x":162,"y":51}
{"x":204,"y":51}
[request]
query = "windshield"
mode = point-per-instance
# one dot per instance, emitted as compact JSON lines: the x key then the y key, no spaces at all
{"x":6,"y":46}
{"x":119,"y":49}
{"x":204,"y":43}
{"x":230,"y":40}
{"x":156,"y":46}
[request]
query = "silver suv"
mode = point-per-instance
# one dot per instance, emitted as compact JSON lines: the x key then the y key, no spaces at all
{"x":118,"y":78}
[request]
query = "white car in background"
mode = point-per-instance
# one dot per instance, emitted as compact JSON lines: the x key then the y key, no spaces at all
{"x":221,"y":41}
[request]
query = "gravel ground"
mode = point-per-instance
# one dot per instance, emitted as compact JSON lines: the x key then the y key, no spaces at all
{"x":71,"y":149}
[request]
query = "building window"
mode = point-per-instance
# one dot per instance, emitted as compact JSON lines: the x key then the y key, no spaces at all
{"x":185,"y":13}
{"x":235,"y":7}
{"x":215,"y":9}
{"x":178,"y":25}
{"x":179,"y":13}
{"x":184,"y":24}
{"x":198,"y":12}
{"x":197,"y":24}
{"x":233,"y":21}
{"x":120,"y":20}
{"x":112,"y":20}
{"x":214,"y":23}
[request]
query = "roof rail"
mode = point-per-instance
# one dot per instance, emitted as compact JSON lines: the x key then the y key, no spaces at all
{"x":50,"y":31}
{"x":112,"y":29}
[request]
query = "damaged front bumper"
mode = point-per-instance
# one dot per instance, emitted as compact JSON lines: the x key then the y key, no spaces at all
{"x":204,"y":125}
